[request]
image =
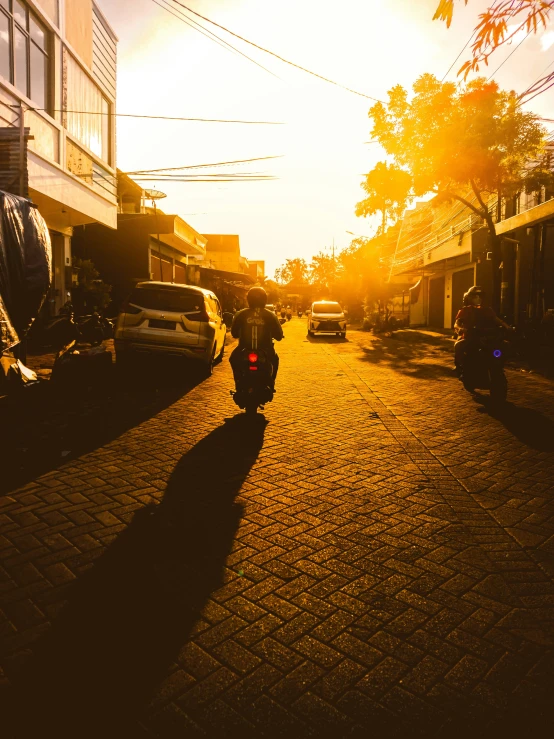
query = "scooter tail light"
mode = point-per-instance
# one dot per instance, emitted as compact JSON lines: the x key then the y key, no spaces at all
{"x":252,"y":358}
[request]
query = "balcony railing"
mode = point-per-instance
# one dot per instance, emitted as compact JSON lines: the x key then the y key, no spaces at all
{"x":82,"y":165}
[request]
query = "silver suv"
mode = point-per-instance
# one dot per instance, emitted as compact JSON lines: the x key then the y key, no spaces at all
{"x":166,"y":318}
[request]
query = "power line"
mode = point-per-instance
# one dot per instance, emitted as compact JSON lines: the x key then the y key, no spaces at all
{"x":169,"y":177}
{"x":204,"y":31}
{"x":540,"y":75}
{"x":277,"y":56}
{"x":470,"y":39}
{"x":200,"y":166}
{"x":223,"y":179}
{"x":509,"y":55}
{"x":161,"y":117}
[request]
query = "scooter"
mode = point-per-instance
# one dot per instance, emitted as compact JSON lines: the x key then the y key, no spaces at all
{"x":289,"y":315}
{"x":254,"y":386}
{"x":483,"y":365}
{"x":299,"y":314}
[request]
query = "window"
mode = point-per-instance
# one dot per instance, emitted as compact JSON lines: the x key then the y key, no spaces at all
{"x":327,"y":308}
{"x":88,"y":118}
{"x":24,"y":51}
{"x":169,"y":299}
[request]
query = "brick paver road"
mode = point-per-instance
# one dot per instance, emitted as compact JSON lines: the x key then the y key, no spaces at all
{"x":376,"y":560}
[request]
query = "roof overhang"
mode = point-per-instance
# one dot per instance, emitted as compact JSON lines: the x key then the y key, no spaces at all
{"x":232,"y":277}
{"x":170,"y":229}
{"x":528,"y":218}
{"x":433,"y":268}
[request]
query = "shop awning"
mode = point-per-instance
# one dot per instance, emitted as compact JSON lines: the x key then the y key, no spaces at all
{"x":232,"y":277}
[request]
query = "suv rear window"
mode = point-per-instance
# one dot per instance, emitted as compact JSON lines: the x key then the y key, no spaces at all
{"x":169,"y":300}
{"x":327,"y":308}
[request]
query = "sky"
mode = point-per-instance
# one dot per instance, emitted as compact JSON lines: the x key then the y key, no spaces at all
{"x":165,"y":67}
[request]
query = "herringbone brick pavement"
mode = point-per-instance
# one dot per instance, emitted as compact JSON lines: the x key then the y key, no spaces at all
{"x":376,"y":559}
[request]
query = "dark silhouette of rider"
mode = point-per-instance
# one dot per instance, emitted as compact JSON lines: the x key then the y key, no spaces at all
{"x":474,"y":317}
{"x":256,"y":328}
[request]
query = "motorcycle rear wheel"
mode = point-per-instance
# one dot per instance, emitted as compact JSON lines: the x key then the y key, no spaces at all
{"x":251,"y":407}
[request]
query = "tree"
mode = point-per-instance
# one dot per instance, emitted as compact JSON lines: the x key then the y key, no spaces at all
{"x":465,"y":143}
{"x":322,"y":271}
{"x":493,"y":29}
{"x":387,"y":188}
{"x":272,"y":290}
{"x":293,"y":270}
{"x":95,"y":292}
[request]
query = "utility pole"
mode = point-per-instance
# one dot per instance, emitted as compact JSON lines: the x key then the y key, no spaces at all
{"x":154,"y":195}
{"x":21,"y":149}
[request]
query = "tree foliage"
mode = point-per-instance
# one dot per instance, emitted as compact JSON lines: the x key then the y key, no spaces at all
{"x":387,"y":188}
{"x":293,"y":270}
{"x":497,"y":25}
{"x":453,"y":138}
{"x":462,"y":142}
{"x":95,"y":291}
{"x":323,"y":271}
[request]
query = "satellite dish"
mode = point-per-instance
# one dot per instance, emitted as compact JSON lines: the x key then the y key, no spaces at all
{"x":154,"y":194}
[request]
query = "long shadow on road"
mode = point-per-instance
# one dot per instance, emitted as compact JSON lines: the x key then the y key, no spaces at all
{"x":531,"y":427}
{"x":41,"y":430}
{"x":410,"y":359}
{"x":127,"y":618}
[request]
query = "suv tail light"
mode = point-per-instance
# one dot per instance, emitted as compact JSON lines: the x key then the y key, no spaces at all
{"x":202,"y":315}
{"x":132,"y":309}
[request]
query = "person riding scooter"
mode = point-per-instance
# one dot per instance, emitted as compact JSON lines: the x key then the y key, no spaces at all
{"x":473,"y":318}
{"x":256,"y":328}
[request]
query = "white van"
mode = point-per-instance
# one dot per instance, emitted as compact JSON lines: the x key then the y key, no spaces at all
{"x":326,"y":317}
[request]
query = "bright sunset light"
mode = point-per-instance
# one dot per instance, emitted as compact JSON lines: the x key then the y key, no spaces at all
{"x":276,"y":369}
{"x":369,"y":46}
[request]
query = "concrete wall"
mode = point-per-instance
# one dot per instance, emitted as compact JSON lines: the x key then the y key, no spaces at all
{"x":50,"y":9}
{"x":78,"y":28}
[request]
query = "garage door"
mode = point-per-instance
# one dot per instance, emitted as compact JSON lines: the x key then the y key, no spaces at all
{"x":436,"y":302}
{"x":180,"y":273}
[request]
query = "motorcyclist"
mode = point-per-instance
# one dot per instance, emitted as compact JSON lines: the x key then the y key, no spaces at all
{"x":475,"y":316}
{"x":256,"y":328}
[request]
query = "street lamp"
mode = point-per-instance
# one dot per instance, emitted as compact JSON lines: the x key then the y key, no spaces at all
{"x":154,"y":195}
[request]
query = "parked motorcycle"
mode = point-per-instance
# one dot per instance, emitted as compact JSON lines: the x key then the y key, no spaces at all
{"x":63,"y":328}
{"x":95,"y":328}
{"x":483,"y":365}
{"x":254,"y":388}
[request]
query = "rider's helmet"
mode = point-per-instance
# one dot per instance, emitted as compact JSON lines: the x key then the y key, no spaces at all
{"x":257,"y":297}
{"x":474,"y":296}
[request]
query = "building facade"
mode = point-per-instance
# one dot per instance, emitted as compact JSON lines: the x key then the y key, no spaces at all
{"x":445,"y":250}
{"x":148,"y":244}
{"x":58,"y":61}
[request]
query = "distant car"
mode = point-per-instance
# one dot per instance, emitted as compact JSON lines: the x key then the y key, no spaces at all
{"x":172,"y":319}
{"x":326,"y":317}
